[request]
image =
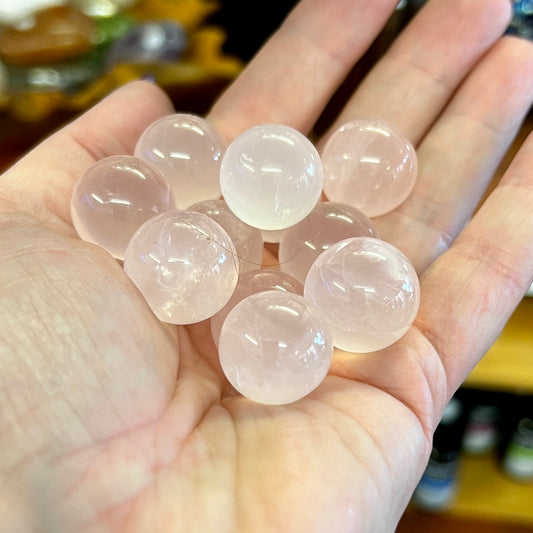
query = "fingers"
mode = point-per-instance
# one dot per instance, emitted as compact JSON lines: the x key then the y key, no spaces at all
{"x":471,"y":290}
{"x":461,"y":152}
{"x":417,"y":76}
{"x":297,"y":71}
{"x":41,"y":183}
{"x":467,"y":296}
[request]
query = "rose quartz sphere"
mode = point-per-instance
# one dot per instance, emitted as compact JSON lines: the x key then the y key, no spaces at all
{"x":249,"y":283}
{"x":328,"y":223}
{"x":275,"y":347}
{"x":114,"y":197}
{"x":188,"y":150}
{"x":248,"y":240}
{"x":271,"y":176}
{"x":369,"y":165}
{"x":367,"y":291}
{"x":184,"y":264}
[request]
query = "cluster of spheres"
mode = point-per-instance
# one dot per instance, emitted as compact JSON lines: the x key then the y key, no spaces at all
{"x":189,"y":216}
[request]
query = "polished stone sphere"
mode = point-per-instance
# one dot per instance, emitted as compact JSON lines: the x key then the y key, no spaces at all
{"x":367,"y":291}
{"x":369,"y":165}
{"x":249,"y":283}
{"x":271,"y":176}
{"x":328,"y":223}
{"x":114,"y":197}
{"x":248,"y":240}
{"x":275,"y":347}
{"x":188,"y":150}
{"x":184,"y":264}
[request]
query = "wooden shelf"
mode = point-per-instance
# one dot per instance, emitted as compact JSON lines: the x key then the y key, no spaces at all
{"x":508,"y":365}
{"x":486,"y":493}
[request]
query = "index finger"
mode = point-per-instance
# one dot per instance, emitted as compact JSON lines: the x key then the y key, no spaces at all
{"x":299,"y":68}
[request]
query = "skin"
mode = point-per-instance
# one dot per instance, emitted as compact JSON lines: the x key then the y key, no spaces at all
{"x":111,"y":421}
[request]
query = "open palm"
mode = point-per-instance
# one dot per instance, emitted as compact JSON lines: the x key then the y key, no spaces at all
{"x":113,"y":421}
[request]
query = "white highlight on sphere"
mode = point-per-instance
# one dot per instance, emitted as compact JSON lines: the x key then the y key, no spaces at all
{"x":275,"y":347}
{"x":114,"y":197}
{"x":188,"y":150}
{"x":248,"y":240}
{"x":367,"y":291}
{"x":271,"y":176}
{"x":369,"y":165}
{"x":328,"y":223}
{"x":249,"y":283}
{"x":184,"y":264}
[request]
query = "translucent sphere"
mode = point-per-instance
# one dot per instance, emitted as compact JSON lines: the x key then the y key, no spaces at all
{"x":184,"y":264}
{"x":367,"y":291}
{"x":248,"y":240}
{"x":114,"y":197}
{"x":275,"y":347}
{"x":188,"y":150}
{"x":271,"y":176}
{"x":370,"y":166}
{"x":328,"y":223}
{"x":249,"y":283}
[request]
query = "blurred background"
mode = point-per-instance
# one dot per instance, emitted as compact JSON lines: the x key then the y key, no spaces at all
{"x":59,"y":57}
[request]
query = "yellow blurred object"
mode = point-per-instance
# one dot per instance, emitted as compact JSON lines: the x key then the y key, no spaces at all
{"x":104,"y":85}
{"x":30,"y":107}
{"x":205,"y":62}
{"x":202,"y":63}
{"x":53,"y":34}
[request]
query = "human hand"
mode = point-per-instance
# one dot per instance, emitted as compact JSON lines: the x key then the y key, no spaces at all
{"x":113,"y":421}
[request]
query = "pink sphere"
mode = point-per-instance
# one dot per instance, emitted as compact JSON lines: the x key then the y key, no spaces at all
{"x":248,"y":240}
{"x":114,"y":197}
{"x":271,"y":176}
{"x":369,"y":165}
{"x":184,"y":264}
{"x":188,"y":150}
{"x":249,"y":283}
{"x":367,"y":291}
{"x":275,"y":347}
{"x":328,"y":223}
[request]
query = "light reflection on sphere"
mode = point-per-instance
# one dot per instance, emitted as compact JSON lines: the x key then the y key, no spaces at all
{"x":367,"y":291}
{"x":248,"y":240}
{"x":271,"y":176}
{"x":188,"y":150}
{"x":275,"y":347}
{"x":328,"y":223}
{"x":249,"y":283}
{"x":369,"y":165}
{"x":114,"y":197}
{"x":184,"y":264}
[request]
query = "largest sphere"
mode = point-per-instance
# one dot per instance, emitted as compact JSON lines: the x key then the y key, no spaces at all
{"x":271,"y":176}
{"x":184,"y":264}
{"x":367,"y":291}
